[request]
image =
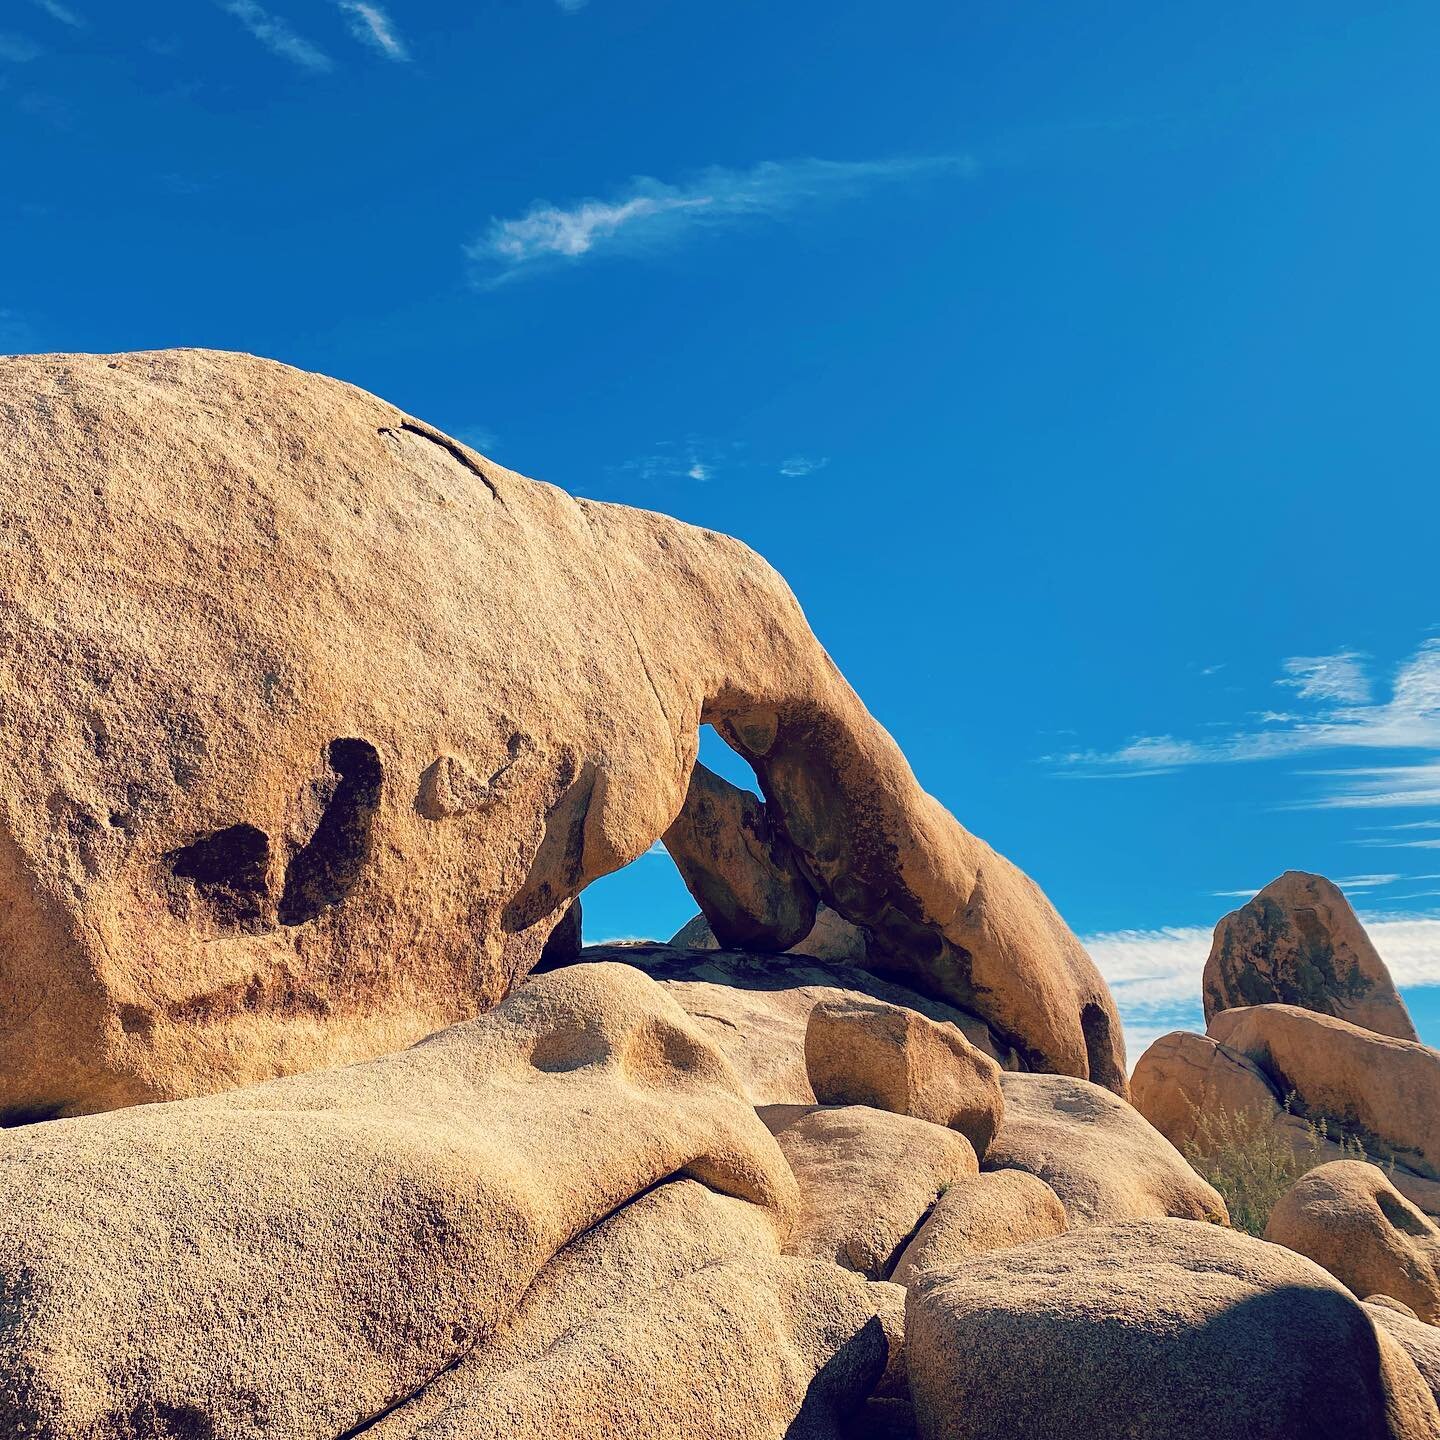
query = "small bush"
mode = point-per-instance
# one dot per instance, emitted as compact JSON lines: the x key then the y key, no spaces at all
{"x":1252,"y":1162}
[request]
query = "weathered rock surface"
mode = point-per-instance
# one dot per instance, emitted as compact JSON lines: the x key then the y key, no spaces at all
{"x":745,"y":1349}
{"x":1385,"y":1091}
{"x":1421,"y":1342}
{"x":1389,"y":1302}
{"x":1183,"y":1077}
{"x":660,"y":1238}
{"x":1097,"y":1153}
{"x":831,"y":937}
{"x":295,"y":1258}
{"x":994,"y":1211}
{"x":756,"y":1008}
{"x":867,"y":1179}
{"x":313,"y":719}
{"x":737,"y":863}
{"x":1349,"y":1218}
{"x":1185,"y":1084}
{"x":1298,"y":942}
{"x":866,"y":1052}
{"x":1154,"y":1330}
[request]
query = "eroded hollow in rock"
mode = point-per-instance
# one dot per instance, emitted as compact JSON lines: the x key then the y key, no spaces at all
{"x":229,"y":870}
{"x":324,"y":870}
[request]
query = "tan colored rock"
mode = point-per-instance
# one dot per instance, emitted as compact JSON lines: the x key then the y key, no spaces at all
{"x":1183,"y":1077}
{"x":867,"y":1179}
{"x":1389,"y":1302}
{"x":1421,"y":1342}
{"x":1097,"y":1153}
{"x":671,"y":1316}
{"x":867,"y":1052}
{"x":1298,"y":942}
{"x":1155,"y":1330}
{"x":832,"y":937}
{"x":1385,"y":1091}
{"x":742,"y":1350}
{"x":313,"y":719}
{"x":1186,"y":1085}
{"x":994,"y":1211}
{"x":756,"y":1008}
{"x":737,"y":863}
{"x":359,"y":1228}
{"x":662,"y":1237}
{"x":1349,"y":1218}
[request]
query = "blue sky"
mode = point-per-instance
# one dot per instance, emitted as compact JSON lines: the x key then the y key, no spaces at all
{"x":1076,"y":364}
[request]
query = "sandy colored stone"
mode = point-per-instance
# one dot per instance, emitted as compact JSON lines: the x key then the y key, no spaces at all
{"x":311,"y":720}
{"x":1183,"y":1077}
{"x":1298,"y":942}
{"x":737,"y":863}
{"x":1103,"y":1159}
{"x":867,"y":1179}
{"x":292,"y":1259}
{"x":741,"y":1350}
{"x":867,"y":1052}
{"x":1385,"y":1091}
{"x":1187,"y":1084}
{"x":1154,"y":1330}
{"x":994,"y":1211}
{"x":672,"y":1316}
{"x":1421,"y":1342}
{"x":1389,"y":1302}
{"x":1349,"y":1218}
{"x":756,"y":1008}
{"x":831,"y":937}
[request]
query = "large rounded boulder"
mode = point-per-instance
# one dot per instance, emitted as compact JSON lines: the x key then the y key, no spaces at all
{"x":1154,"y":1330}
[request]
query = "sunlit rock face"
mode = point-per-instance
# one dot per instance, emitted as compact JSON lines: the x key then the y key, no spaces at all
{"x":314,"y":721}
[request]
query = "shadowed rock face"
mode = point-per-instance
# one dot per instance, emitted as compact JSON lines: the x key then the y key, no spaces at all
{"x":312,"y":722}
{"x":1298,"y":942}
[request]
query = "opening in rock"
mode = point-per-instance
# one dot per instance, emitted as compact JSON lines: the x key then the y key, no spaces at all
{"x":324,"y":870}
{"x":229,"y":870}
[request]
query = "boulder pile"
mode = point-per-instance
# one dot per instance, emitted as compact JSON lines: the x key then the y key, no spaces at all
{"x":318,"y":1120}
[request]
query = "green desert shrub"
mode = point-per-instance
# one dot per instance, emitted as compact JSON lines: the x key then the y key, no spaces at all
{"x":1252,"y":1162}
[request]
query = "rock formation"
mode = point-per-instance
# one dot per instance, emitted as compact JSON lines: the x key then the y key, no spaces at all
{"x":1188,"y":1086}
{"x":1103,"y":1160}
{"x":737,"y":863}
{"x":1421,"y":1342}
{"x":314,"y":721}
{"x":1349,"y":1218}
{"x":1155,"y":1330}
{"x":1381,"y":1090}
{"x":867,"y":1179}
{"x":362,"y":1228}
{"x":831,"y":937}
{"x":756,"y":1008}
{"x":1298,"y":942}
{"x":993,"y":1211}
{"x":865,"y":1052}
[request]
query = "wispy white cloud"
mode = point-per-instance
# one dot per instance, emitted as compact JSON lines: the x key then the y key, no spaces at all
{"x":18,"y":49}
{"x":1155,"y":974}
{"x":699,"y":459}
{"x":274,"y":32}
{"x":1344,"y":718}
{"x":571,"y":6}
{"x":649,"y":214}
{"x":370,"y":23}
{"x":798,"y":466}
{"x":1328,"y":677}
{"x":56,"y":11}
